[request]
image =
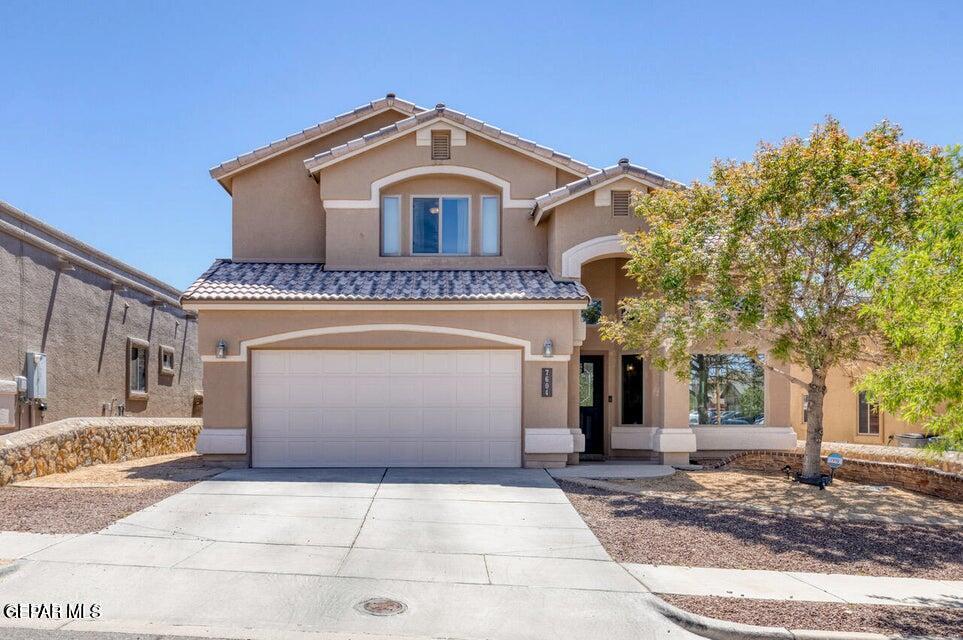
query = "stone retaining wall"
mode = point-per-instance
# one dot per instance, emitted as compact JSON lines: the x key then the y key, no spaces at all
{"x":928,"y":480}
{"x":81,"y":442}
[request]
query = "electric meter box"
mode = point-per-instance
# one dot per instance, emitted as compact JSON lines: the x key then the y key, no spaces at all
{"x":36,"y":376}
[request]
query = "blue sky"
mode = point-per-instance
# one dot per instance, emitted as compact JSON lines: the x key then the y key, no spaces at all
{"x":112,"y":113}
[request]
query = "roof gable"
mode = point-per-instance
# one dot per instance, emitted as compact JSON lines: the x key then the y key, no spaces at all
{"x":457,"y":120}
{"x":389,"y":103}
{"x":545,"y":203}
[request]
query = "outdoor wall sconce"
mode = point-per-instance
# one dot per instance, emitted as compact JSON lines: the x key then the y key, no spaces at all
{"x":548,"y":348}
{"x":221,"y":348}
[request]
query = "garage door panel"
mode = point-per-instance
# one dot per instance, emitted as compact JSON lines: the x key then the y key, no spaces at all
{"x":370,"y":362}
{"x":335,"y":452}
{"x":304,"y":362}
{"x":405,"y":392}
{"x":505,"y":392}
{"x":438,"y":362}
{"x":472,"y":391}
{"x":340,"y":362}
{"x":503,"y":423}
{"x":304,"y":423}
{"x":472,"y":362}
{"x":439,"y":422}
{"x":370,"y":392}
{"x":272,"y":423}
{"x":405,"y":362}
{"x":337,"y":391}
{"x":405,"y":422}
{"x":388,"y":407}
{"x":439,"y":391}
{"x":270,"y":363}
{"x":371,"y":422}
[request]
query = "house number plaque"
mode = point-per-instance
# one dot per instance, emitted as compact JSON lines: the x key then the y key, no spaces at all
{"x":546,"y":382}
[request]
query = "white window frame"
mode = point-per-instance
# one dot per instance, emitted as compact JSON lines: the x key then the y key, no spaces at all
{"x":143,"y":345}
{"x":481,"y":218}
{"x":381,"y":224}
{"x":765,"y":392}
{"x":162,"y":351}
{"x":439,"y":197}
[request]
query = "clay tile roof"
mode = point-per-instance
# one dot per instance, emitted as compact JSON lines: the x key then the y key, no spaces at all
{"x":312,"y":133}
{"x":469,"y":123}
{"x":285,"y":281}
{"x":548,"y":200}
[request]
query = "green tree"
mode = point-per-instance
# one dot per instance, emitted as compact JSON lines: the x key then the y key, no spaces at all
{"x":761,"y":256}
{"x":917,"y":301}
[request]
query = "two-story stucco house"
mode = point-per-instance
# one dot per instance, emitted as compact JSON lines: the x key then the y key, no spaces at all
{"x":414,"y":286}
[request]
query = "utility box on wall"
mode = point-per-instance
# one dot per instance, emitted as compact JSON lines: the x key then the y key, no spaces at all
{"x":8,"y":404}
{"x":36,"y":376}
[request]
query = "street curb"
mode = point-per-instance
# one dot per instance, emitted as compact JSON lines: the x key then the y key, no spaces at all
{"x":724,"y":630}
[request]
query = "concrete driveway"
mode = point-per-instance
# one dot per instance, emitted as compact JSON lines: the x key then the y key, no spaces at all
{"x":471,"y":553}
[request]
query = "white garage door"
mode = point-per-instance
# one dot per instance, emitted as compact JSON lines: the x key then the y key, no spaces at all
{"x":375,"y":408}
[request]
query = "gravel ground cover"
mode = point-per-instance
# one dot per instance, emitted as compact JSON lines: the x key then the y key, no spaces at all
{"x":891,"y":620}
{"x":91,"y":498}
{"x":658,"y":530}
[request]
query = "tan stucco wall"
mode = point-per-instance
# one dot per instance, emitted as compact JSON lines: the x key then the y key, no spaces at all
{"x":226,"y":383}
{"x":277,"y":214}
{"x":82,"y":325}
{"x":579,"y":220}
{"x":354,"y":235}
{"x":353,"y":239}
{"x":840,"y":413}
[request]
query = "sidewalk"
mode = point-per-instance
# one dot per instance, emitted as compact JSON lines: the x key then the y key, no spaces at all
{"x":812,"y":587}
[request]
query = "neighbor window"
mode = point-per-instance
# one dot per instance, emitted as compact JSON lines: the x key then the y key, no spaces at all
{"x":868,"y":417}
{"x":439,"y":225}
{"x":440,"y":145}
{"x":631,"y":389}
{"x":592,"y":312}
{"x":390,"y":225}
{"x":490,"y":226}
{"x":137,"y":355}
{"x":166,"y":360}
{"x":725,"y":388}
{"x":620,"y":203}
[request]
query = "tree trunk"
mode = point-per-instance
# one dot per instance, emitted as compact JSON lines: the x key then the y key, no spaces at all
{"x":814,"y":425}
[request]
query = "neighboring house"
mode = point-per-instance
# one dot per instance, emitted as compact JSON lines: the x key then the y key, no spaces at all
{"x":408,"y":286}
{"x":847,"y":417}
{"x":114,"y":340}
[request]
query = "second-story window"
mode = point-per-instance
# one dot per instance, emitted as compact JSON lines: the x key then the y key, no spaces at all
{"x":491,"y":223}
{"x":439,"y":225}
{"x":391,"y":225}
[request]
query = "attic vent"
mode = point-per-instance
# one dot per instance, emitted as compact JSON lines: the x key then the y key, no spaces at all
{"x":440,"y":145}
{"x":620,"y":203}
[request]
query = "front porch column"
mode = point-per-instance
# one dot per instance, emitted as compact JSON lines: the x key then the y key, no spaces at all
{"x":573,"y":418}
{"x":674,"y":440}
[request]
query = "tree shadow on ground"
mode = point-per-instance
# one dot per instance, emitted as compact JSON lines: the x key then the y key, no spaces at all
{"x":908,"y":548}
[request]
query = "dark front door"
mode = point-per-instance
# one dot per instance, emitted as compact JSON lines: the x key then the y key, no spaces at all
{"x":590,"y":402}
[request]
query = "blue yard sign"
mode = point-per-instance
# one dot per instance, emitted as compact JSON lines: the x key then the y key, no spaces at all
{"x":834,"y":460}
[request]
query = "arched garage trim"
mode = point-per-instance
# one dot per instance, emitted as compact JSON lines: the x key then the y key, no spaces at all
{"x":594,"y":249}
{"x":469,"y":172}
{"x":525,"y":345}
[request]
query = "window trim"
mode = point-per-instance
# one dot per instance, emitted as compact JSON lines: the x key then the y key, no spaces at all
{"x":144,"y":345}
{"x":163,"y":350}
{"x":481,"y":226}
{"x":621,"y":391}
{"x":860,"y":403}
{"x":439,"y":197}
{"x":381,"y":224}
{"x":765,"y":392}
